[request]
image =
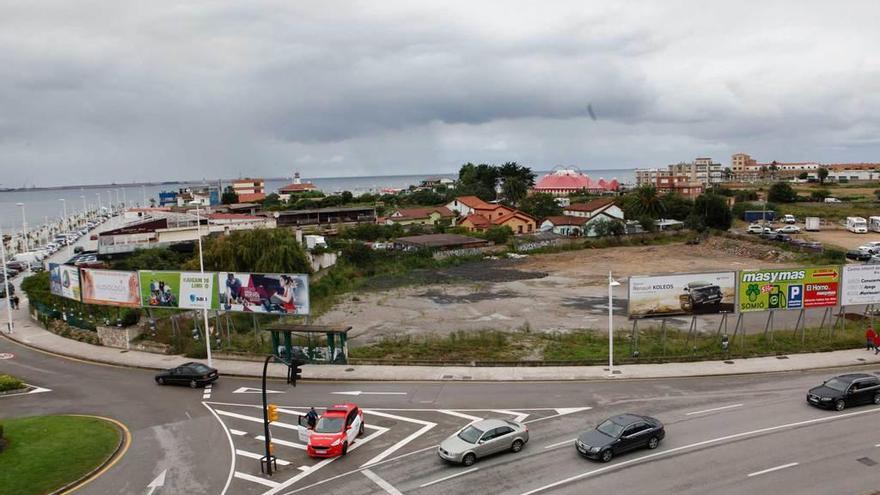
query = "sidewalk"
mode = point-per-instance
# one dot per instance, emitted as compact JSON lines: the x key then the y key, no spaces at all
{"x":32,"y":334}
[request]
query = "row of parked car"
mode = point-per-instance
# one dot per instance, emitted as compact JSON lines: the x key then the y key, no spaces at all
{"x":783,"y":234}
{"x":868,"y":252}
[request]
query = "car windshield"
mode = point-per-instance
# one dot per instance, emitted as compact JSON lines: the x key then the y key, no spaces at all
{"x":200,"y":368}
{"x":470,"y":434}
{"x":836,"y":384}
{"x":331,"y":424}
{"x":610,"y":428}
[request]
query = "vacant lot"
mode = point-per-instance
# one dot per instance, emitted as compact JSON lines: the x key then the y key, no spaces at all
{"x":542,"y":293}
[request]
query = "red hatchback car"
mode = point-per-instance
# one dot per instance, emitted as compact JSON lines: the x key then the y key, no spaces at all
{"x":335,"y":431}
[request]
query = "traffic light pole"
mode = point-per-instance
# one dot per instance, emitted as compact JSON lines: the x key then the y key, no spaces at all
{"x":269,"y":459}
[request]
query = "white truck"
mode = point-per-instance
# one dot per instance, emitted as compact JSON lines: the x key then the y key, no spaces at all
{"x":811,"y":224}
{"x":790,"y":219}
{"x":874,"y":224}
{"x":856,"y":225}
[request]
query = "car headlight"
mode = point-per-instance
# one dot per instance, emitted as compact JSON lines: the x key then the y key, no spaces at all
{"x":594,"y":450}
{"x":825,"y":399}
{"x":336,"y":442}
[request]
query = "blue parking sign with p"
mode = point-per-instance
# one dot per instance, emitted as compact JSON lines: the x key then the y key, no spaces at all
{"x":795,"y":296}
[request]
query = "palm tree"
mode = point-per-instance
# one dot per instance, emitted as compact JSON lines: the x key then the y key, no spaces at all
{"x":645,"y":202}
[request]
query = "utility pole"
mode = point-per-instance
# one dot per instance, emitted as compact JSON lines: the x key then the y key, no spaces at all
{"x":6,"y":282}
{"x":202,"y":269}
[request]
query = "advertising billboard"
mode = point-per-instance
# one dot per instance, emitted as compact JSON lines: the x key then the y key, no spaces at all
{"x":64,"y":281}
{"x":792,"y":288}
{"x":684,"y":294}
{"x":184,"y":290}
{"x":110,"y":287}
{"x":263,"y":293}
{"x":861,"y":285}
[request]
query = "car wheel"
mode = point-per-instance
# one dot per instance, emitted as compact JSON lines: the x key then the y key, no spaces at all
{"x":606,"y":455}
{"x":877,"y":399}
{"x":345,"y":448}
{"x":517,"y":445}
{"x":839,"y":405}
{"x":653,"y":443}
{"x":160,"y":381}
{"x":469,"y":459}
{"x":361,"y":429}
{"x":193,"y":384}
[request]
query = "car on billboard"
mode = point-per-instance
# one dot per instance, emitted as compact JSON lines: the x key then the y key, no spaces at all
{"x":700,"y":294}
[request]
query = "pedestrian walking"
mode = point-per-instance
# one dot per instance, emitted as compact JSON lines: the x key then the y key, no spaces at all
{"x":312,"y":418}
{"x":876,"y":344}
{"x":14,"y":301}
{"x":870,"y":335}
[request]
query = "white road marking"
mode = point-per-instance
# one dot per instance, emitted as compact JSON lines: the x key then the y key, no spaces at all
{"x":760,"y":431}
{"x":459,"y":414}
{"x":358,"y":392}
{"x":471,"y":470}
{"x":519,"y":416}
{"x":258,"y":420}
{"x":231,"y":449}
{"x":304,"y":468}
{"x":562,"y":411}
{"x":254,"y":455}
{"x":878,"y":445}
{"x":187,"y":414}
{"x":566,"y":442}
{"x":713,"y":409}
{"x":249,"y":390}
{"x":777,"y":468}
{"x":389,"y":489}
{"x":256,"y":479}
{"x":427,"y":425}
{"x":158,"y":482}
{"x":282,"y":442}
{"x":237,"y":433}
{"x":36,"y":390}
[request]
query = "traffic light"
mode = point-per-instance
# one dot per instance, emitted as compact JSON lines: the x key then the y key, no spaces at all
{"x":295,"y":373}
{"x":272,"y":412}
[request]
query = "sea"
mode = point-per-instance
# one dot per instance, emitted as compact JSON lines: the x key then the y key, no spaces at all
{"x":40,"y":206}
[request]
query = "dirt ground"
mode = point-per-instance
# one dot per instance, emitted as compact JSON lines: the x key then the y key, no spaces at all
{"x":841,"y":238}
{"x":550,"y":292}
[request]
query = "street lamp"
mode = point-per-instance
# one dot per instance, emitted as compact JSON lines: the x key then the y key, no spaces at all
{"x":85,"y":209}
{"x":202,"y":270}
{"x":6,"y":282}
{"x":611,"y":284}
{"x":65,"y":225}
{"x":27,"y":246}
{"x":99,"y":202}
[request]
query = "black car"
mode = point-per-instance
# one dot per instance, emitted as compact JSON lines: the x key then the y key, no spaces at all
{"x":846,"y":390}
{"x":192,"y":374}
{"x":858,"y":255}
{"x":620,"y":434}
{"x":700,"y":294}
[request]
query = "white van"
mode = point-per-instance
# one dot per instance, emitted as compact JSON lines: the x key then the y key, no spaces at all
{"x":30,"y":258}
{"x":874,"y":224}
{"x":857,"y":225}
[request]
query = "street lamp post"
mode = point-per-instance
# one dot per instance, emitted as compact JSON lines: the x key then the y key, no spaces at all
{"x":85,"y":208}
{"x":6,"y":283}
{"x":65,"y":225}
{"x":27,"y":245}
{"x":611,"y":284}
{"x":99,"y":202}
{"x":202,"y":270}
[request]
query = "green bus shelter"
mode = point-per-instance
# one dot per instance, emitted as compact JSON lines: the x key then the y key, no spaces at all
{"x":327,"y":344}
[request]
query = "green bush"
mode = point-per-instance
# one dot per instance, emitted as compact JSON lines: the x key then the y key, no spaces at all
{"x":9,"y":382}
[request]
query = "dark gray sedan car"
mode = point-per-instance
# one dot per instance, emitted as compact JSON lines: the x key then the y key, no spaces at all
{"x":482,"y":438}
{"x":620,"y":434}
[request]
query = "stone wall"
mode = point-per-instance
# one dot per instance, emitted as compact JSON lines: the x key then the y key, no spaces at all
{"x":117,"y":337}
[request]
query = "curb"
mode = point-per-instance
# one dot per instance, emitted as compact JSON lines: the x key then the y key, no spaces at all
{"x":112,"y":459}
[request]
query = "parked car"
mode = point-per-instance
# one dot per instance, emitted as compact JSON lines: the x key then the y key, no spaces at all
{"x":336,"y":430}
{"x":756,"y":228}
{"x":858,"y":255}
{"x":781,"y":237}
{"x":844,"y":391}
{"x":620,"y":434}
{"x":789,"y":219}
{"x":832,"y":200}
{"x":872,"y":247}
{"x":483,"y":438}
{"x":192,"y":374}
{"x":789,"y":229}
{"x":700,"y":294}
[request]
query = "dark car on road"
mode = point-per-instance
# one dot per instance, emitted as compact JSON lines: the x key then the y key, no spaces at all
{"x":620,"y":434}
{"x":858,"y":255}
{"x":192,"y":374}
{"x":844,"y":391}
{"x":700,"y":294}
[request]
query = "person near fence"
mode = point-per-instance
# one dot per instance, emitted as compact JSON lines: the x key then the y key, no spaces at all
{"x":876,"y":344}
{"x":870,"y":335}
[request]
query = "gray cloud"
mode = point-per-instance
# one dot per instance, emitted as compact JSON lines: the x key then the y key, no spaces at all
{"x":95,"y":91}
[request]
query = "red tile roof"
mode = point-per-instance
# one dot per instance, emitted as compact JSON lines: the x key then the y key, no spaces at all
{"x":421,"y":212}
{"x":232,"y":216}
{"x":566,"y":220}
{"x":248,"y":198}
{"x":590,"y":206}
{"x":573,"y":181}
{"x":478,"y":221}
{"x":475,"y":203}
{"x":301,"y":187}
{"x":514,"y":214}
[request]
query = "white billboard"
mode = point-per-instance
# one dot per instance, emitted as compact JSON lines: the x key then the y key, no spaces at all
{"x":861,"y":285}
{"x":682,"y":294}
{"x":64,"y":281}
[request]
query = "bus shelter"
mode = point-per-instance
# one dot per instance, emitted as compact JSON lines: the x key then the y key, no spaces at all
{"x":317,"y":344}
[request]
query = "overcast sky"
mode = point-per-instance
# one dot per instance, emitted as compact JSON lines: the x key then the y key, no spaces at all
{"x":100,"y":91}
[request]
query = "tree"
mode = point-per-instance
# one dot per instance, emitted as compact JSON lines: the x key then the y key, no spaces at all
{"x":711,"y":210}
{"x":272,"y":201}
{"x":822,"y":173}
{"x":229,"y":196}
{"x":819,"y":195}
{"x":648,"y":224}
{"x":425,"y":197}
{"x":347,"y":197}
{"x":258,"y":250}
{"x":605,"y":227}
{"x":152,"y":259}
{"x":478,"y":180}
{"x":803,"y":176}
{"x":515,"y":182}
{"x":643,"y":202}
{"x":676,"y":206}
{"x":540,"y":205}
{"x":499,"y":234}
{"x":781,"y":192}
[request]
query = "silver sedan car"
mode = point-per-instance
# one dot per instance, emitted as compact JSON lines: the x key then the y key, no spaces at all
{"x":483,"y":438}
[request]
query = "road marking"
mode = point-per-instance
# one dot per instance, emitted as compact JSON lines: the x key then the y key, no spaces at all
{"x":777,"y":468}
{"x":711,"y":441}
{"x":36,"y":390}
{"x":304,"y":468}
{"x":358,"y":392}
{"x":258,"y":420}
{"x":6,"y":355}
{"x":389,"y":489}
{"x":206,"y":394}
{"x":449,"y":477}
{"x":249,"y":390}
{"x":237,"y":433}
{"x":158,"y":482}
{"x":256,"y":479}
{"x":459,"y":414}
{"x":427,"y":425}
{"x":231,"y":449}
{"x":282,"y":442}
{"x":566,"y":442}
{"x":713,"y":409}
{"x":187,"y":415}
{"x":253,"y":455}
{"x":562,"y":411}
{"x":519,"y":417}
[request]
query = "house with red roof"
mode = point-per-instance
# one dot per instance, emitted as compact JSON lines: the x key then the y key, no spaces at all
{"x":578,"y":218}
{"x":519,"y":222}
{"x":431,"y":215}
{"x":564,"y":181}
{"x":295,"y":187}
